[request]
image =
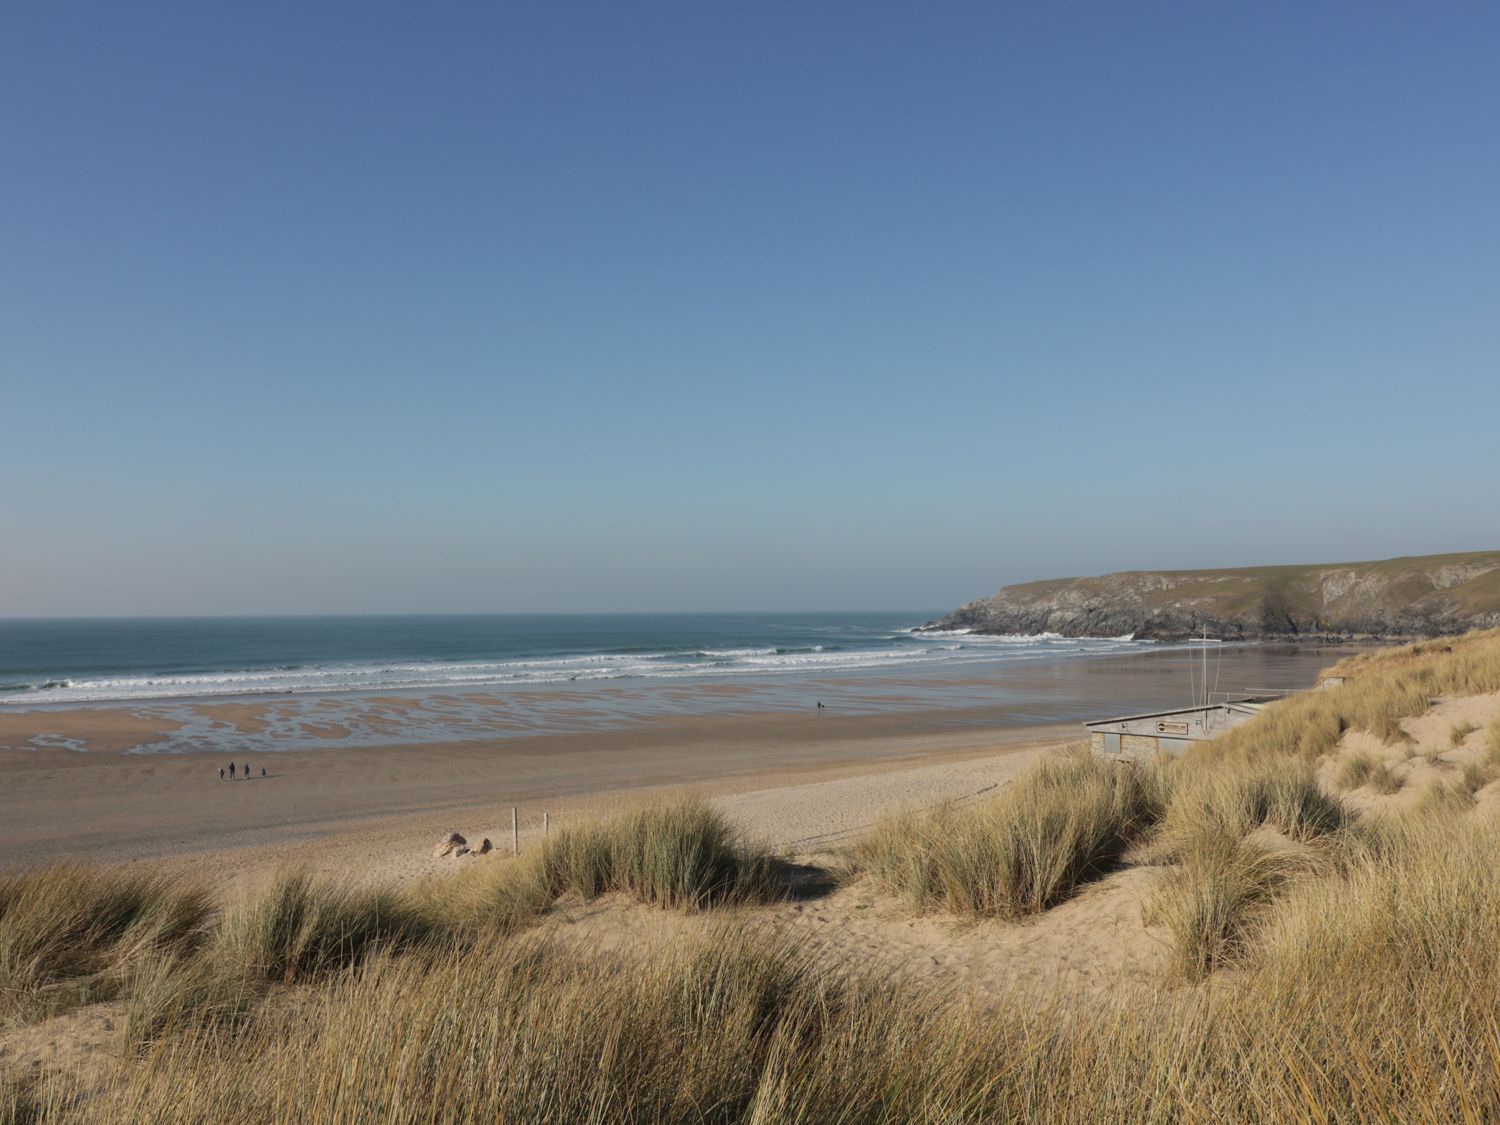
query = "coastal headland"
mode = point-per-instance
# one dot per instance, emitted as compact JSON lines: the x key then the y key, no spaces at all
{"x":1402,"y":598}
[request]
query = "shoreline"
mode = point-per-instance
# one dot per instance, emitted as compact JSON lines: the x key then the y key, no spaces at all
{"x":1392,"y":640}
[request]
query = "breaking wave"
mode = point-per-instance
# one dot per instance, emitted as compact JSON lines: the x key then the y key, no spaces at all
{"x":887,"y":650}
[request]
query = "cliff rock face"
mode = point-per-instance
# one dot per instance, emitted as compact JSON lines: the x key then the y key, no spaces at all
{"x":1420,"y":596}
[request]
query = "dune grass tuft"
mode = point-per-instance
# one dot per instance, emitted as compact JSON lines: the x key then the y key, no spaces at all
{"x":681,"y":854}
{"x":70,"y":935}
{"x":1364,"y":769}
{"x":172,"y":992}
{"x":1475,"y":776}
{"x":1446,"y":797}
{"x":1355,"y":770}
{"x":296,"y":927}
{"x":1065,"y":822}
{"x":500,"y":895}
{"x":1492,"y":743}
{"x":1386,"y":781}
{"x":1235,"y":797}
{"x":1460,"y":731}
{"x":1208,"y":902}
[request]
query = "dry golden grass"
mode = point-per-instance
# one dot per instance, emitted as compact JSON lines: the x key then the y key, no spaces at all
{"x":1359,"y":770}
{"x":1365,"y":991}
{"x":1386,"y":781}
{"x":1446,"y":797}
{"x":1461,"y":731}
{"x":1356,"y":770}
{"x":1209,"y":901}
{"x":1381,"y":689}
{"x":295,"y":929}
{"x":677,"y":853}
{"x":1237,"y":796}
{"x":71,"y":935}
{"x":1063,"y":823}
{"x":1474,"y":776}
{"x":682,"y":854}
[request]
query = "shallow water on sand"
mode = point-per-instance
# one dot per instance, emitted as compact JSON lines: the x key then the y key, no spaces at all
{"x":1003,"y":690}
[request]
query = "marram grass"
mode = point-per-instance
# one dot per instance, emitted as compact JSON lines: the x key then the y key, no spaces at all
{"x":1366,"y":992}
{"x":1065,"y":822}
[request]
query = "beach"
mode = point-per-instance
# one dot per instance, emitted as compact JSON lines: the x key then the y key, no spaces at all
{"x":376,"y":812}
{"x":90,"y":786}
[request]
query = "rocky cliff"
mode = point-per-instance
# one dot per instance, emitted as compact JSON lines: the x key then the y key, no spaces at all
{"x":1421,"y":596}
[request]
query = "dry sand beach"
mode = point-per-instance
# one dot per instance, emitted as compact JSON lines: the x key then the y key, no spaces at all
{"x":375,"y":812}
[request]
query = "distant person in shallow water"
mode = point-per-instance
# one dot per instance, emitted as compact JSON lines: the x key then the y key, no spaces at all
{"x":820,"y":705}
{"x":262,"y":771}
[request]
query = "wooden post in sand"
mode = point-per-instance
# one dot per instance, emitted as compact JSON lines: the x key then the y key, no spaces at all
{"x":544,"y":824}
{"x":515,"y":833}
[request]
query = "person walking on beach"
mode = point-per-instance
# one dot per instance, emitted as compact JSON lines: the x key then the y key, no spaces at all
{"x":247,"y":769}
{"x":221,"y":773}
{"x":231,"y":771}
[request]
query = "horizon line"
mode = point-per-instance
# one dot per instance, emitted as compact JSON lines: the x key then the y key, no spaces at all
{"x":441,"y":613}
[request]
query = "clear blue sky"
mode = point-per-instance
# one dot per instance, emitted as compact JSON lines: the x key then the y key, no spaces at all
{"x":628,"y":306}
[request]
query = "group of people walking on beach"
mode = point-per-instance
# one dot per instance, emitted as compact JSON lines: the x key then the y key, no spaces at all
{"x":233,"y":775}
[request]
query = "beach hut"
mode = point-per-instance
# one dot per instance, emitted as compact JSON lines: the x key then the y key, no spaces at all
{"x":1168,"y":732}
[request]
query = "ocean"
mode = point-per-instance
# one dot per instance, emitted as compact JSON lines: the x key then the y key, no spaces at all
{"x":177,"y":685}
{"x":73,"y":661}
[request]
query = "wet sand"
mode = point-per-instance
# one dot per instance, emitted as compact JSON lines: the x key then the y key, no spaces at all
{"x":125,"y":807}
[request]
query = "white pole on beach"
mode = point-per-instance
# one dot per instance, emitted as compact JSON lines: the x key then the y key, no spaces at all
{"x":515,"y":833}
{"x":544,"y":824}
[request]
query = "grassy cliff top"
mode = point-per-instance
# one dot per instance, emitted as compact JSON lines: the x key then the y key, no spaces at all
{"x":1416,"y":566}
{"x":1417,"y":595}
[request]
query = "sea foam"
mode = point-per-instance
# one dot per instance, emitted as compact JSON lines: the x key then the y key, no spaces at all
{"x":912,"y":649}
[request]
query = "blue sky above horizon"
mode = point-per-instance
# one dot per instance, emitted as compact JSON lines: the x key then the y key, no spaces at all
{"x":366,"y":308}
